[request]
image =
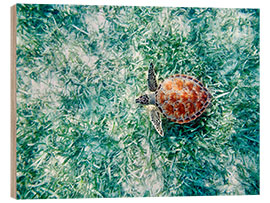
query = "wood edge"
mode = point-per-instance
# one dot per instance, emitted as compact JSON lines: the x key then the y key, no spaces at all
{"x":13,"y":166}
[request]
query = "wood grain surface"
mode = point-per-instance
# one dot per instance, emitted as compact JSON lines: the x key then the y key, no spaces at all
{"x":13,"y":102}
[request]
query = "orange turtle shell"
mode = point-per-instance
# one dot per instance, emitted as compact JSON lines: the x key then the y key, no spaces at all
{"x":182,"y":98}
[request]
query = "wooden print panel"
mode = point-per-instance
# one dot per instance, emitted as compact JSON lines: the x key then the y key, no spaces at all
{"x":13,"y":101}
{"x":76,"y":71}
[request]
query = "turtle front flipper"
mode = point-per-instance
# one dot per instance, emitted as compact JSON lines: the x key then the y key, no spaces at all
{"x":152,"y":83}
{"x":155,"y":117}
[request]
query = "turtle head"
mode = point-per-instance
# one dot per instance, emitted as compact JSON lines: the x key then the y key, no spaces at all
{"x":144,"y":99}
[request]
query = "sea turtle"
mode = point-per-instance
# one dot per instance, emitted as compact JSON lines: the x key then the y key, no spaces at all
{"x":180,"y":98}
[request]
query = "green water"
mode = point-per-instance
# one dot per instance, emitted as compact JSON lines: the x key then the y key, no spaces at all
{"x":80,"y":133}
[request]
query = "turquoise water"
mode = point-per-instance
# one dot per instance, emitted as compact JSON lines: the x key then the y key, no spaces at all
{"x":80,"y":133}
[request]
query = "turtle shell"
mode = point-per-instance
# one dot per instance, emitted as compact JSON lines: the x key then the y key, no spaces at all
{"x":182,"y":98}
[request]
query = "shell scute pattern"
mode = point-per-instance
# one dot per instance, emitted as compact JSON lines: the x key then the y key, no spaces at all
{"x":182,"y":98}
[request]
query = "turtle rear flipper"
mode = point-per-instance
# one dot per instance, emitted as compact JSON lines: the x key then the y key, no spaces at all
{"x":155,"y":117}
{"x":152,"y":82}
